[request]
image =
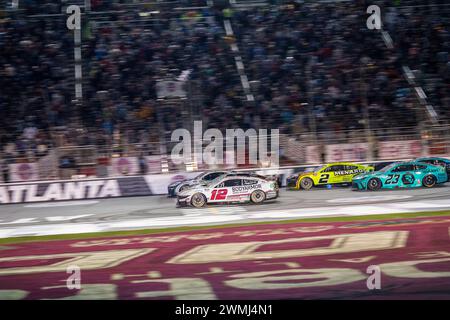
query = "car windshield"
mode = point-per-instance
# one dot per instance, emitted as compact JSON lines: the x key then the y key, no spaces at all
{"x":316,"y":169}
{"x":213,"y":182}
{"x":388,"y":167}
{"x":199,"y":176}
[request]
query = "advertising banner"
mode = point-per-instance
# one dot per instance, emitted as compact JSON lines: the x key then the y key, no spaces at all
{"x":24,"y":172}
{"x":399,"y":149}
{"x":153,"y":164}
{"x":90,"y":189}
{"x":158,"y":183}
{"x":346,"y":152}
{"x":73,"y":190}
{"x":170,"y":89}
{"x":124,"y":166}
{"x":312,"y":154}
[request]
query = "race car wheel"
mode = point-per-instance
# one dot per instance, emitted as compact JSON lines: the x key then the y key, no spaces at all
{"x":306,"y":183}
{"x":198,"y":200}
{"x":374,"y":184}
{"x":429,"y":181}
{"x":258,"y":196}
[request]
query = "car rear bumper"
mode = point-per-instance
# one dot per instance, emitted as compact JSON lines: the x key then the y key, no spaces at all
{"x":442,"y":178}
{"x":171,"y":191}
{"x":291,"y":183}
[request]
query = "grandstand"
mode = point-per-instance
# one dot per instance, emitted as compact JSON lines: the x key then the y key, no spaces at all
{"x":239,"y":64}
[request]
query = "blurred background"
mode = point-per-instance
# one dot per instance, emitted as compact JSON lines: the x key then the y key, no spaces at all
{"x":312,"y":69}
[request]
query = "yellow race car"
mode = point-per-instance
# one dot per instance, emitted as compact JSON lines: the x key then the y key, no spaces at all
{"x":333,"y":173}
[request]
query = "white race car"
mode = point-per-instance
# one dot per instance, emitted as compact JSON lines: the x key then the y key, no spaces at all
{"x":230,"y":188}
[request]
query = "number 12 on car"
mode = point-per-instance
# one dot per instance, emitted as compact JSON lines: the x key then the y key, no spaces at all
{"x":219,"y":194}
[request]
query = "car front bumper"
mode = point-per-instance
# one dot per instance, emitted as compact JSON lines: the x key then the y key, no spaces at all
{"x":272,"y":194}
{"x":183,"y":201}
{"x":358,"y":185}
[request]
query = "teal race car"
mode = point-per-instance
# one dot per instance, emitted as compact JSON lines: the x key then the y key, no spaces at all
{"x":411,"y":174}
{"x":443,"y":162}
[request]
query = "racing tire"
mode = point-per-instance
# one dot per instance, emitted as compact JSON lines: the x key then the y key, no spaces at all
{"x":374,"y":184}
{"x":198,"y":200}
{"x":258,"y":196}
{"x":429,"y":181}
{"x":306,"y":183}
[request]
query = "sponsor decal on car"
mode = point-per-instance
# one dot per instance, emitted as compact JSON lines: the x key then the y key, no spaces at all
{"x":347,"y":172}
{"x":246,"y":188}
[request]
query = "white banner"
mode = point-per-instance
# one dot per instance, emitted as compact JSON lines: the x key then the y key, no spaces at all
{"x":312,"y":154}
{"x":346,"y":152}
{"x":24,"y":171}
{"x":170,"y":89}
{"x":230,"y":161}
{"x":158,"y":183}
{"x":124,"y":166}
{"x":48,"y":166}
{"x":388,"y":150}
{"x":153,"y":164}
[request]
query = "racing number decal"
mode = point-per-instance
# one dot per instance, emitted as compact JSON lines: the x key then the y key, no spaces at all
{"x":219,"y":194}
{"x":324,"y":178}
{"x":392,"y":179}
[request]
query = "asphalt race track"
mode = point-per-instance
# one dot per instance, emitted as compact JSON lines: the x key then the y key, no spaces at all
{"x":160,"y":211}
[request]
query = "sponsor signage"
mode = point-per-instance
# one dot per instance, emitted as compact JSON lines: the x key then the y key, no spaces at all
{"x":73,"y":190}
{"x":170,"y":89}
{"x":245,"y":188}
{"x":90,"y":189}
{"x":153,"y":164}
{"x":346,"y":152}
{"x":347,"y":172}
{"x":24,"y":171}
{"x":280,"y":261}
{"x":313,"y":154}
{"x":388,"y":150}
{"x":124,"y":166}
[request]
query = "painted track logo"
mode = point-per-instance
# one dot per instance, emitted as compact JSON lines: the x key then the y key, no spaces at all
{"x":279,"y":261}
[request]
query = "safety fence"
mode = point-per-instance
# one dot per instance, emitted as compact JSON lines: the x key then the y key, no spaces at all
{"x":94,"y":161}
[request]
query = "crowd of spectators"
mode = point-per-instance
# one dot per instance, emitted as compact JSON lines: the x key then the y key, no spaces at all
{"x":321,"y":59}
{"x":303,"y":61}
{"x":421,"y":33}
